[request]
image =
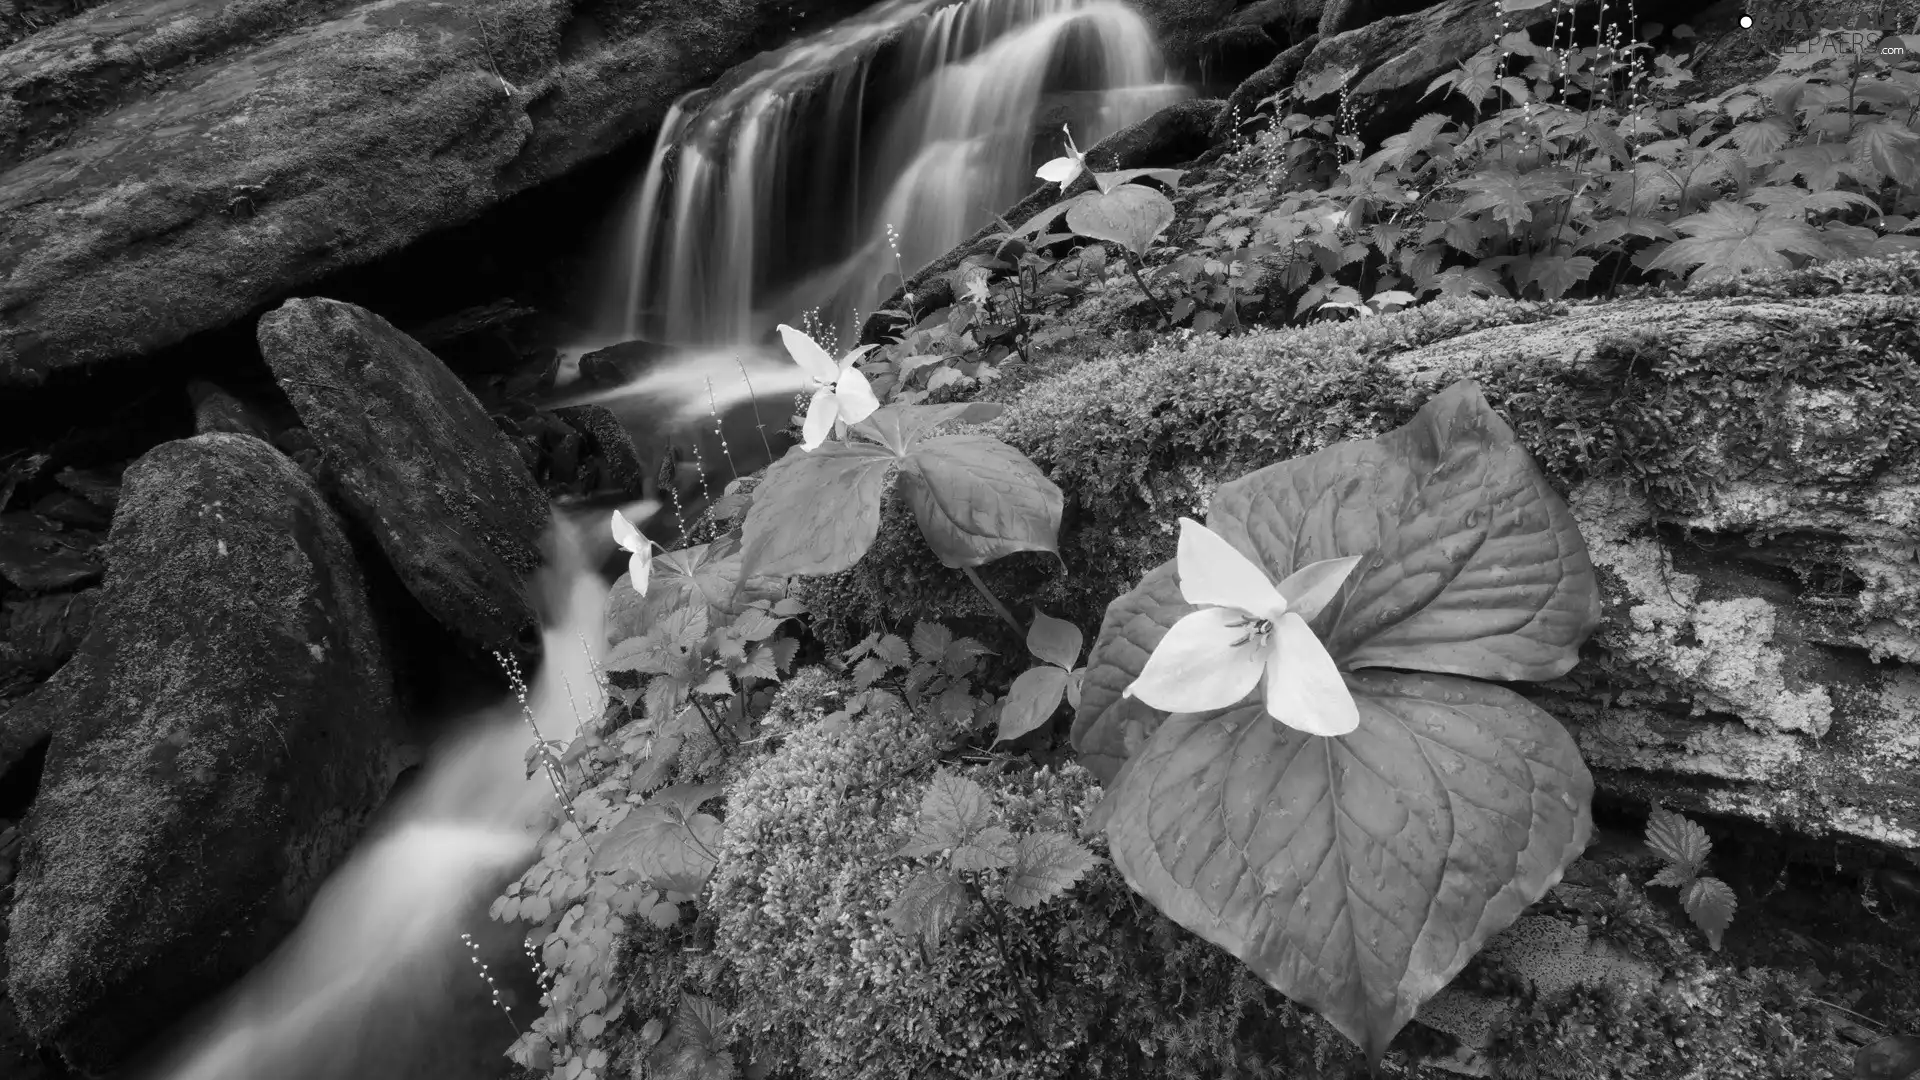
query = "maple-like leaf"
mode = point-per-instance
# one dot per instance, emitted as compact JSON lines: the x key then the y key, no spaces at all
{"x":1510,"y":195}
{"x":1891,"y":147}
{"x":1555,"y":274}
{"x":1728,"y":239}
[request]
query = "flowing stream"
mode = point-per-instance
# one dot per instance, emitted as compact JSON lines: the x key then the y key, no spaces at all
{"x":804,"y":182}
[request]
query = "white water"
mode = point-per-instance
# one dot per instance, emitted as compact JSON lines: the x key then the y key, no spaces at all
{"x":766,"y":199}
{"x":386,"y":926}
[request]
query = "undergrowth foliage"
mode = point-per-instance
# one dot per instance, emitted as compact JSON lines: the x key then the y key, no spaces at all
{"x":665,"y":940}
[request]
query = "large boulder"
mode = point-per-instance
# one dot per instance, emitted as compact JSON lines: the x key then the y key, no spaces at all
{"x":218,"y":743}
{"x":1743,"y":461}
{"x":417,"y":462}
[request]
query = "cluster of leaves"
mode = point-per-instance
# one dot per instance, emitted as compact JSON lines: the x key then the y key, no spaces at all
{"x":957,"y":832}
{"x":1707,"y":900}
{"x":1817,"y":161}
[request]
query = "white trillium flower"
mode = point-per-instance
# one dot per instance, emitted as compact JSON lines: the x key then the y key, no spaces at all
{"x":1249,"y":628}
{"x":1063,"y":170}
{"x":842,"y":397}
{"x":629,"y":539}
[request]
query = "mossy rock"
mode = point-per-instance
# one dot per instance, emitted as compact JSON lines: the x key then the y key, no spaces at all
{"x":1744,"y":460}
{"x":211,"y":762}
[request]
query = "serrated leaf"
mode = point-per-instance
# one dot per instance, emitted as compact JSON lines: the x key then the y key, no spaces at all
{"x":1031,"y":701}
{"x":1728,"y":239}
{"x":893,"y":649}
{"x":930,"y":640}
{"x":1046,"y":865}
{"x":928,"y":907}
{"x":816,"y":512}
{"x":951,"y":812}
{"x":1510,"y":195}
{"x":1054,"y":640}
{"x":761,"y":664}
{"x":868,"y":671}
{"x":977,"y":499}
{"x":961,"y":654}
{"x":1710,"y":903}
{"x":784,"y":651}
{"x":788,"y":607}
{"x":1678,"y":840}
{"x":716,"y":683}
{"x":1676,"y":877}
{"x":1892,"y":148}
{"x":1356,"y":874}
{"x":990,"y":849}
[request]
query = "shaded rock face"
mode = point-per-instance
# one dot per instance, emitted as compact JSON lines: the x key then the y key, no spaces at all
{"x":417,"y":462}
{"x":218,"y":743}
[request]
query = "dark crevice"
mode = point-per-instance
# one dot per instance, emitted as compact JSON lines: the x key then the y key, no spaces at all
{"x":19,"y":784}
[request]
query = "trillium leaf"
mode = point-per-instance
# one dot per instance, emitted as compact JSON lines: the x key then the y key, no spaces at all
{"x":1130,"y":215}
{"x":1356,"y":874}
{"x":1473,"y":565}
{"x":1031,"y":701}
{"x":1108,"y":728}
{"x":901,"y":427}
{"x":1056,"y":641}
{"x":816,"y":512}
{"x":977,"y":499}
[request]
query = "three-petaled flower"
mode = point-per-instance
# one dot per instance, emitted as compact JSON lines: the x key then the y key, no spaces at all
{"x":1246,"y":628}
{"x":630,"y":539}
{"x":842,"y":395}
{"x":1062,"y":170}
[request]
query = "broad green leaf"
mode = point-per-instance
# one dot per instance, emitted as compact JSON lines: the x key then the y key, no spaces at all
{"x":1045,"y":865}
{"x":1107,"y":727}
{"x":1356,"y":874}
{"x":900,"y":427}
{"x":977,"y":499}
{"x":1130,"y":215}
{"x":817,"y":512}
{"x":1891,"y":147}
{"x":1031,"y":701}
{"x":1472,"y":564}
{"x":952,"y":811}
{"x":1054,"y":640}
{"x":684,"y":799}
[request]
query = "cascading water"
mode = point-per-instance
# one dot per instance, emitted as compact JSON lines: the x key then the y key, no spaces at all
{"x":384,"y":932}
{"x":775,"y":194}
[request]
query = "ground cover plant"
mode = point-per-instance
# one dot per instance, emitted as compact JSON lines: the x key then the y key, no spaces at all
{"x":1290,"y":739}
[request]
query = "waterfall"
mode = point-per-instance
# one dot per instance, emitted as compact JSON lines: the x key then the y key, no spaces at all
{"x":774,"y":194}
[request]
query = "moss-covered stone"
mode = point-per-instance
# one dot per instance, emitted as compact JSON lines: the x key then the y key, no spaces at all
{"x":218,"y":742}
{"x":1744,"y":460}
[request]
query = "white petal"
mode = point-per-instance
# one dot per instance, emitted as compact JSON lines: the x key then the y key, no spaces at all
{"x":1197,"y":667}
{"x":1213,"y":571}
{"x":641,"y":567}
{"x":1314,"y":585}
{"x":625,"y":534}
{"x":1060,"y":170}
{"x":847,"y":361}
{"x":1304,"y":688}
{"x":808,"y":354}
{"x":820,"y":416}
{"x":856,"y":396}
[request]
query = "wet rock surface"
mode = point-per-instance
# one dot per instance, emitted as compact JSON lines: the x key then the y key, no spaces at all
{"x":222,"y":754}
{"x":417,"y":462}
